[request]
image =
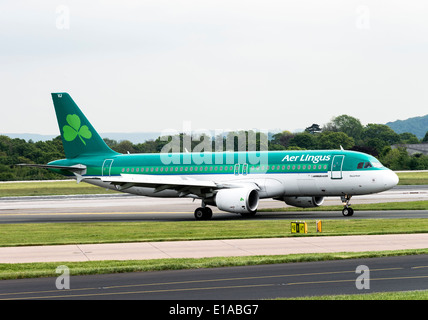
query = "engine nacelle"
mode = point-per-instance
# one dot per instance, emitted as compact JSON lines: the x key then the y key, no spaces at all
{"x":237,"y":200}
{"x":304,"y":202}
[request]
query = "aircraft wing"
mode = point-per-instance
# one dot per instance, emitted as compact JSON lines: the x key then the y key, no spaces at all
{"x":183,"y":185}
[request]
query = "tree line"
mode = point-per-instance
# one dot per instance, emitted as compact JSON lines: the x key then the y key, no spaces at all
{"x":344,"y":131}
{"x":348,"y":132}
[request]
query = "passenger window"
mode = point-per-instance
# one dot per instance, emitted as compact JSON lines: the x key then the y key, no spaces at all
{"x":360,"y":165}
{"x":368,"y":165}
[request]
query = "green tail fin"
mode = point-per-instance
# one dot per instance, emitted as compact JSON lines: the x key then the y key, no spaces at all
{"x":79,"y":138}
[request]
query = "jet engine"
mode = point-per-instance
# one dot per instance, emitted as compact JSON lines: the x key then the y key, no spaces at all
{"x":238,"y":200}
{"x":304,"y":202}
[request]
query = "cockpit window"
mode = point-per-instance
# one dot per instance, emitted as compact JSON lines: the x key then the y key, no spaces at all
{"x":373,"y":163}
{"x":376,"y":163}
{"x":368,"y":165}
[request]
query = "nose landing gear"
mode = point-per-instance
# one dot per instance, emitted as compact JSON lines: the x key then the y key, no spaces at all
{"x":347,"y":210}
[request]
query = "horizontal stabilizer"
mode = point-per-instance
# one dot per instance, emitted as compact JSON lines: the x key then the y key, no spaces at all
{"x":78,"y":168}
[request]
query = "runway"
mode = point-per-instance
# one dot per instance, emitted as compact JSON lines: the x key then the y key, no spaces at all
{"x":218,"y":285}
{"x":124,"y":207}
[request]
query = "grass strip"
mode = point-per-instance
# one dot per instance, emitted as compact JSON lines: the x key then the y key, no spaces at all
{"x":116,"y":232}
{"x":34,"y":270}
{"x":48,"y":188}
{"x":413,"y":178}
{"x":405,"y":205}
{"x":399,"y":295}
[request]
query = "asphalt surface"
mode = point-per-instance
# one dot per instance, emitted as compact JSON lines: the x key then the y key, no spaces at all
{"x":236,"y":283}
{"x":123,"y":207}
{"x":168,"y":216}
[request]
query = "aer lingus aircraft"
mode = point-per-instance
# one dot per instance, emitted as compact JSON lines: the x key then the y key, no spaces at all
{"x":232,"y":181}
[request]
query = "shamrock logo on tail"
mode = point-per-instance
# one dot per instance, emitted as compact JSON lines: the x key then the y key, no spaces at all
{"x":73,"y":129}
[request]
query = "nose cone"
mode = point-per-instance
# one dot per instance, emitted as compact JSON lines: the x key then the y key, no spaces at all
{"x":390,"y":179}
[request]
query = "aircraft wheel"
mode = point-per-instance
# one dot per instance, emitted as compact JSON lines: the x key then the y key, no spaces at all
{"x":203,"y":213}
{"x":347,"y":212}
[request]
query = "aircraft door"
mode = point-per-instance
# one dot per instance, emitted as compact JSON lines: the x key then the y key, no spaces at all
{"x":237,"y":167}
{"x":241,"y":169}
{"x":107,"y":167}
{"x":245,"y":169}
{"x":336,"y":167}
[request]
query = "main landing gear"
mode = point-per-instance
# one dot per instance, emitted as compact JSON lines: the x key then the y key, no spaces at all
{"x":347,"y":210}
{"x":203,"y":213}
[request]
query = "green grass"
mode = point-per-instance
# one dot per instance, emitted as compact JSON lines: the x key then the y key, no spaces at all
{"x":34,"y":270}
{"x":114,"y":232}
{"x":47,"y":188}
{"x":413,"y":178}
{"x":405,"y":205}
{"x":400,"y":295}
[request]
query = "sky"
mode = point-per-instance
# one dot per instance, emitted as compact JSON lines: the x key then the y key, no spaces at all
{"x":139,"y":66}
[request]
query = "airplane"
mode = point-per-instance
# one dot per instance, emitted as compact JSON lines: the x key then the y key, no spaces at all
{"x":232,"y":181}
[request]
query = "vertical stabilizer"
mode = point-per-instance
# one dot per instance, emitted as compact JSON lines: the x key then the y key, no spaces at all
{"x":79,"y":138}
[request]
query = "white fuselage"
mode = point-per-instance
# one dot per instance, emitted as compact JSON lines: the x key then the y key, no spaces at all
{"x":275,"y":185}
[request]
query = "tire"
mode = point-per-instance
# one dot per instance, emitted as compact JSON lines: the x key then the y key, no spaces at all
{"x":208,"y":213}
{"x":203,"y":213}
{"x":348,"y":212}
